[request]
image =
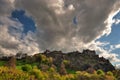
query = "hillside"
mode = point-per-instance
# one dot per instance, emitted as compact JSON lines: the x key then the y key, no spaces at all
{"x":80,"y":61}
{"x":56,"y":65}
{"x":73,"y":60}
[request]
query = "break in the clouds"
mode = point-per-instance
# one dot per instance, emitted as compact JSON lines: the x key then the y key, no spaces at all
{"x":10,"y":38}
{"x":11,"y":33}
{"x":66,"y":25}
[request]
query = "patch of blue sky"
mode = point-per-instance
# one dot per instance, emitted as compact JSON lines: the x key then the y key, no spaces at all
{"x":75,"y":20}
{"x":116,"y":51}
{"x":114,"y":37}
{"x":28,"y":23}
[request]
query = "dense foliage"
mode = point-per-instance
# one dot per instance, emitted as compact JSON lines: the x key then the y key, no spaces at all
{"x":14,"y":74}
{"x":51,"y":74}
{"x":41,"y":67}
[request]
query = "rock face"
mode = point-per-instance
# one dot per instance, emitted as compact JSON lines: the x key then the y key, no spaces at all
{"x":80,"y":61}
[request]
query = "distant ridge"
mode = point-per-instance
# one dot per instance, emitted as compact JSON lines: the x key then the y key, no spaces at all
{"x":88,"y":59}
{"x":81,"y":61}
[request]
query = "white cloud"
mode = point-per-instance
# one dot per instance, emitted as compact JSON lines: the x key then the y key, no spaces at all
{"x":117,"y":21}
{"x":117,"y":46}
{"x":71,"y":7}
{"x":57,"y":5}
{"x":111,"y":56}
{"x":117,"y":66}
{"x":28,"y":44}
{"x":11,"y":33}
{"x":10,"y":42}
{"x":114,"y":47}
{"x":98,"y":47}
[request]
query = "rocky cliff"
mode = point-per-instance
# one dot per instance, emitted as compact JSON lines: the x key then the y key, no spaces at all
{"x":80,"y":61}
{"x":73,"y":60}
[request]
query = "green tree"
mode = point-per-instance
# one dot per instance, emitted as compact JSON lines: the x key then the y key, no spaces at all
{"x":27,"y":67}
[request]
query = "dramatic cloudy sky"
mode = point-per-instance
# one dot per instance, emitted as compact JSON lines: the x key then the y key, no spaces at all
{"x":32,"y":26}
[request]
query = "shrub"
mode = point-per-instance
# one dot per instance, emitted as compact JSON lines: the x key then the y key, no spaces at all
{"x":39,"y":74}
{"x":100,"y":72}
{"x":109,"y":73}
{"x":66,"y":62}
{"x":27,"y":67}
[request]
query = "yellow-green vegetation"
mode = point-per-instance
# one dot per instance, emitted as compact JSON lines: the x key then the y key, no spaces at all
{"x":51,"y":74}
{"x":14,"y":74}
{"x":44,"y":69}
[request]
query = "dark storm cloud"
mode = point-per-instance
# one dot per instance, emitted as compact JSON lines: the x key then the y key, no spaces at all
{"x":54,"y":20}
{"x":5,"y":7}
